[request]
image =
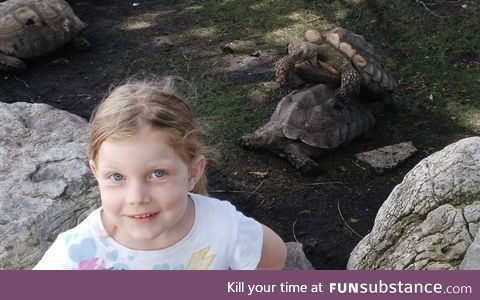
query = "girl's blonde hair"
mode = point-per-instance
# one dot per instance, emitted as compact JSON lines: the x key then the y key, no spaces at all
{"x":136,"y":104}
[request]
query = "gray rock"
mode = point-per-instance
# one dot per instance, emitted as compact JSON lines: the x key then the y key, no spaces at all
{"x":249,"y":69}
{"x":429,"y":220}
{"x":471,"y":261}
{"x":387,"y":157}
{"x":296,"y":259}
{"x":163,"y":42}
{"x":228,"y":48}
{"x":45,"y":182}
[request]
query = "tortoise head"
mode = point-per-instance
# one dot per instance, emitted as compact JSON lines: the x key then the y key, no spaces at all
{"x":262,"y":138}
{"x":302,"y":51}
{"x":313,"y":36}
{"x":295,"y":43}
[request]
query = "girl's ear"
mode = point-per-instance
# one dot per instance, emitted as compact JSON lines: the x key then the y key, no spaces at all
{"x":196,"y":171}
{"x":93,"y":167}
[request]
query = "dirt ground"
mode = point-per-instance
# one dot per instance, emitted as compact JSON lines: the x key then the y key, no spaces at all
{"x":319,"y":211}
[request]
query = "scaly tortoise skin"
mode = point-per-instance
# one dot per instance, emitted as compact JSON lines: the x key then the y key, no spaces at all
{"x":31,"y":28}
{"x":306,"y":124}
{"x":336,"y":55}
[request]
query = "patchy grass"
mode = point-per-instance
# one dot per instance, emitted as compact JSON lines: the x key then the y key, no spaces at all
{"x":434,"y":56}
{"x":434,"y":59}
{"x":228,"y":116}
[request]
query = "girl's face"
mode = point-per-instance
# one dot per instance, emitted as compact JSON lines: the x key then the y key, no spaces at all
{"x":144,"y":185}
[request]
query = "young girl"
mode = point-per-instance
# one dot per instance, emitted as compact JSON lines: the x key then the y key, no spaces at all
{"x":144,"y":153}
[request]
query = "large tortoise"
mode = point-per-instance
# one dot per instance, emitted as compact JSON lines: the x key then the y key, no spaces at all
{"x":336,"y":55}
{"x":306,"y":124}
{"x":31,"y":28}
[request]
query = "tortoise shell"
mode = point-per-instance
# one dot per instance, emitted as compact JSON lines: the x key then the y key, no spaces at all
{"x":30,"y":28}
{"x":310,"y":115}
{"x":360,"y":53}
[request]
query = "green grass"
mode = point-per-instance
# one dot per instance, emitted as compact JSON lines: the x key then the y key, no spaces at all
{"x":436,"y":56}
{"x":224,"y":113}
{"x":435,"y":59}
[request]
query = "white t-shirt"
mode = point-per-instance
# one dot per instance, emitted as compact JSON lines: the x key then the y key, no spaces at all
{"x":221,"y":238}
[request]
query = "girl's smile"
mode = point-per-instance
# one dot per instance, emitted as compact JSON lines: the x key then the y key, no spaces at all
{"x":142,"y":218}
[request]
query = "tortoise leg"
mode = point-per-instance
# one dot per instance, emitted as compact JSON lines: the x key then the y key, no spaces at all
{"x":284,"y":73}
{"x":79,"y":43}
{"x":285,"y":67}
{"x":11,"y":64}
{"x":298,"y":154}
{"x":350,"y":83}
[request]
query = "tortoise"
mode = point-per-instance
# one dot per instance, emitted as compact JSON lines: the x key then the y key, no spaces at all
{"x":31,"y":28}
{"x":336,"y":55}
{"x":306,"y":124}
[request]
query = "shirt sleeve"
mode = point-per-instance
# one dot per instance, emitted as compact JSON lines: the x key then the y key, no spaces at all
{"x":248,"y":245}
{"x":56,"y":257}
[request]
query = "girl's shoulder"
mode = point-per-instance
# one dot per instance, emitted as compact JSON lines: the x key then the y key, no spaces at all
{"x":222,"y":222}
{"x":218,"y":213}
{"x":209,"y":205}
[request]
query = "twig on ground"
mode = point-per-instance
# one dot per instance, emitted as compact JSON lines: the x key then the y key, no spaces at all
{"x":226,"y":191}
{"x":359,"y":15}
{"x":293,"y":230}
{"x":359,"y":165}
{"x":314,"y":19}
{"x":345,"y":222}
{"x":23,"y":81}
{"x":256,"y":189}
{"x":322,"y":183}
{"x":430,"y":11}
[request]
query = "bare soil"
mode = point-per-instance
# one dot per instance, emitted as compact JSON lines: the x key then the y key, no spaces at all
{"x":328,"y":212}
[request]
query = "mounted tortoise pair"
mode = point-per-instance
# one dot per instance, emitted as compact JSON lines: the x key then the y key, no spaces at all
{"x":32,"y":28}
{"x":309,"y":122}
{"x":336,"y":56}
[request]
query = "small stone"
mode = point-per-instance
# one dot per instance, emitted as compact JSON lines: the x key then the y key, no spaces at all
{"x":228,"y":48}
{"x":60,"y":61}
{"x":163,"y":42}
{"x":296,"y":259}
{"x":259,"y":174}
{"x":387,"y":157}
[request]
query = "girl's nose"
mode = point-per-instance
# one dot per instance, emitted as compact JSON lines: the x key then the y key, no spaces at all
{"x":137,"y":193}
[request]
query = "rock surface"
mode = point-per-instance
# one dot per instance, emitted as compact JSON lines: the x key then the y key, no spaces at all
{"x":296,"y":259}
{"x":387,"y":157}
{"x":429,"y":220}
{"x":45,"y":182}
{"x":471,"y":261}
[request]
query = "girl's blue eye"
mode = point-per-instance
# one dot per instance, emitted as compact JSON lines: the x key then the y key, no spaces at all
{"x":116,"y":177}
{"x":158,"y":173}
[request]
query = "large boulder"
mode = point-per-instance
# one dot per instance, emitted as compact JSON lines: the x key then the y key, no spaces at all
{"x":45,"y":183}
{"x":429,"y":220}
